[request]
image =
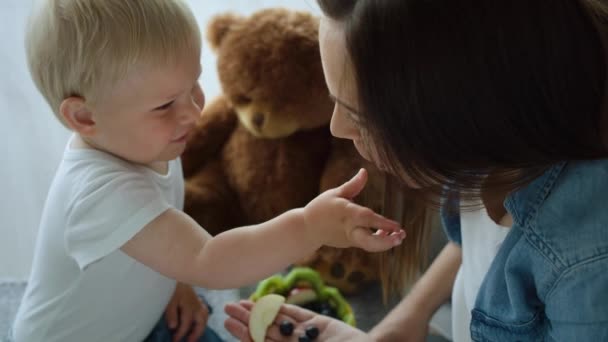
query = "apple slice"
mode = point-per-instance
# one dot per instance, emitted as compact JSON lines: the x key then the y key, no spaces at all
{"x":263,"y":314}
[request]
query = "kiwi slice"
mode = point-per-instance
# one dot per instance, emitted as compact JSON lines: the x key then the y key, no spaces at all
{"x":328,"y":300}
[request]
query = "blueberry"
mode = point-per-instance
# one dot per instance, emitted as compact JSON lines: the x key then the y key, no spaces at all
{"x":312,"y":332}
{"x":286,"y":328}
{"x":304,"y":338}
{"x":325,"y":305}
{"x":315,"y":306}
{"x":327,"y":310}
{"x":329,"y":313}
{"x":312,"y":306}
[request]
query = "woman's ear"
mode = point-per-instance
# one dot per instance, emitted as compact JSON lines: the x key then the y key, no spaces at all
{"x":77,"y":116}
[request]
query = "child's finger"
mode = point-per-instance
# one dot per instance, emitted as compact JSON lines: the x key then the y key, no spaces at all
{"x":376,"y":242}
{"x":171,"y":316}
{"x":365,"y":217}
{"x":185,"y":323}
{"x":198,"y":327}
{"x":353,"y":187}
{"x":381,"y":232}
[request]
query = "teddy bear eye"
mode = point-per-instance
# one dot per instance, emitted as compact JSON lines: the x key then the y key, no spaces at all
{"x":242,"y":100}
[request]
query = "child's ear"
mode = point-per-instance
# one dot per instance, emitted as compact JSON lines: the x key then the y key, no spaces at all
{"x":77,"y":116}
{"x":219,"y":27}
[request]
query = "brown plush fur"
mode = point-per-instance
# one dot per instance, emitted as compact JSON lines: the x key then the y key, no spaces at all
{"x":264,"y":147}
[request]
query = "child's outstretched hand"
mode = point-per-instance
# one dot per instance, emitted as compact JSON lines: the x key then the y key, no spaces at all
{"x":334,"y":220}
{"x":186,"y":314}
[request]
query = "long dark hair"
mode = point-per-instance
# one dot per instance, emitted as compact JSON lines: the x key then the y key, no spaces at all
{"x":474,"y":95}
{"x":477,"y":94}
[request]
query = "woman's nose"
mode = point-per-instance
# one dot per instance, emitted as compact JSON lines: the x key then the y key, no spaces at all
{"x":342,"y":128}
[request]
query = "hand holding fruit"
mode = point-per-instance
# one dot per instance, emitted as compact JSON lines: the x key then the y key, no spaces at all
{"x":305,"y":325}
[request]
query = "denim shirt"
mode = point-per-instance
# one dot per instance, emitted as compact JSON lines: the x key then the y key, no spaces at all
{"x":549,"y":279}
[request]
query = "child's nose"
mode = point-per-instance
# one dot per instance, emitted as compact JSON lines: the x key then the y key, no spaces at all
{"x":198,"y":96}
{"x":190,"y":114}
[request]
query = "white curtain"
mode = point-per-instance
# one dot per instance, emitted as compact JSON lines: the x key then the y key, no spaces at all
{"x":32,"y":140}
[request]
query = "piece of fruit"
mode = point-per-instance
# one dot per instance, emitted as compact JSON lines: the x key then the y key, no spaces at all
{"x":312,"y":332}
{"x":274,"y":284}
{"x":328,"y":300}
{"x":304,"y":274}
{"x":303,"y":338}
{"x":303,"y":284}
{"x":263,"y":314}
{"x":301,"y":296}
{"x":286,"y":328}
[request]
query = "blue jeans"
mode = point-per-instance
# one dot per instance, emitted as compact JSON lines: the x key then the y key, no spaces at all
{"x":162,"y":333}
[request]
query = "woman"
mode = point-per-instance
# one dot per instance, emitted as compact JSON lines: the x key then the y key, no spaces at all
{"x":504,"y":104}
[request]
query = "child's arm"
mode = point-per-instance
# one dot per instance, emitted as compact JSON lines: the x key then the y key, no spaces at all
{"x":176,"y":246}
{"x":409,"y":320}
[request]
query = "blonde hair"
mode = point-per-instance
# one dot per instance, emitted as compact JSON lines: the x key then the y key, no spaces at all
{"x":83,"y":47}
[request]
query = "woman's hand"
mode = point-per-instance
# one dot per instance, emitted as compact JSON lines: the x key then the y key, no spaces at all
{"x":186,"y":314}
{"x":329,"y":329}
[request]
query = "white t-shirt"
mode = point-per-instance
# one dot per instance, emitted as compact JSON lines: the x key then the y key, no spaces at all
{"x":82,"y":286}
{"x":481,"y":240}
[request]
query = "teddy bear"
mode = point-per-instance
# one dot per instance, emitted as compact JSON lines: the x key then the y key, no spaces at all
{"x":263,"y":146}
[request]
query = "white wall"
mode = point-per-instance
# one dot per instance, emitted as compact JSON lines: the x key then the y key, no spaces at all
{"x":32,"y":140}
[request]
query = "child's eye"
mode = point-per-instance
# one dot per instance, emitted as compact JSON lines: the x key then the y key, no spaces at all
{"x":165,"y":106}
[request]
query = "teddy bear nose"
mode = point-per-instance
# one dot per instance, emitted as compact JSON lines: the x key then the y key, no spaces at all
{"x":258,"y":120}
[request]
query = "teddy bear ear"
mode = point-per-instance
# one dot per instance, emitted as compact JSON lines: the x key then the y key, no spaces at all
{"x":219,"y":26}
